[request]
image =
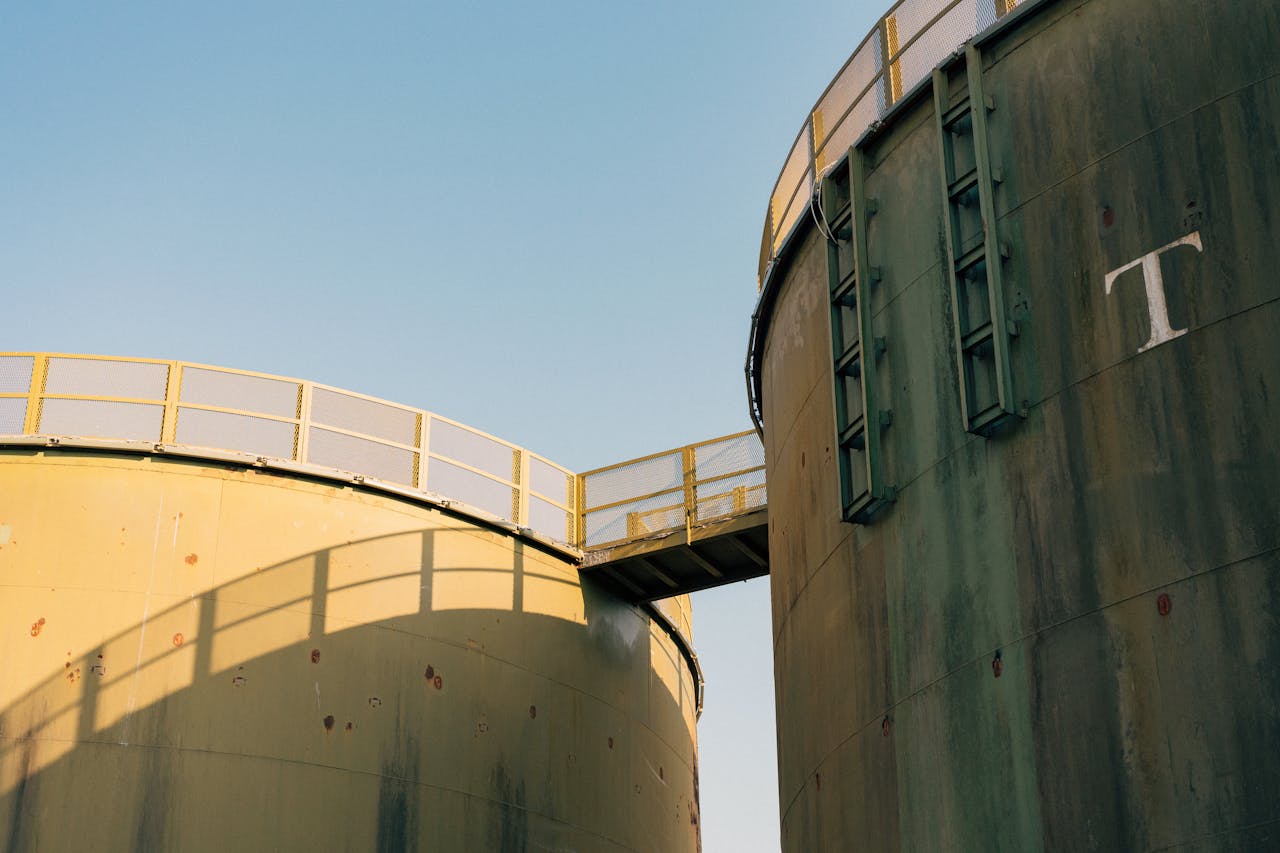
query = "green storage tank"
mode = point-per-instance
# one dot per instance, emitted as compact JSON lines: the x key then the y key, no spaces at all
{"x":1017,"y":365}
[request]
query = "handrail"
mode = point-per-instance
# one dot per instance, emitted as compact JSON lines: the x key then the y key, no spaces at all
{"x":679,"y":488}
{"x":184,"y":408}
{"x":907,"y":41}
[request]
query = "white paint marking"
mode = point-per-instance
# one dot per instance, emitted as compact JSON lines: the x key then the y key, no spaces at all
{"x":1157,"y":308}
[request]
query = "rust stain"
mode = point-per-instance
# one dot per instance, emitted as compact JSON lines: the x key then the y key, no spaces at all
{"x":438,"y":682}
{"x":99,"y":670}
{"x":997,"y":665}
{"x":533,"y":711}
{"x":238,"y":681}
{"x":885,"y":726}
{"x":315,"y":656}
{"x":37,"y":626}
{"x":192,"y":559}
{"x":1164,"y":604}
{"x":328,"y":723}
{"x":611,"y":743}
{"x":349,"y":726}
{"x":430,"y":673}
{"x":178,"y":640}
{"x":374,"y":701}
{"x":660,"y":775}
{"x":1108,"y":217}
{"x":817,"y":780}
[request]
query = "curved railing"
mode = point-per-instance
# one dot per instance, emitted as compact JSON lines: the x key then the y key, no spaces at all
{"x":900,"y":51}
{"x":274,"y":419}
{"x":148,"y":405}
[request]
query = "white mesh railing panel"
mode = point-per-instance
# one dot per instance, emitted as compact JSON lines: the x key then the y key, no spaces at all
{"x":469,"y":487}
{"x":90,"y":377}
{"x":635,"y":519}
{"x":238,"y":391}
{"x":845,"y":89}
{"x":548,"y":480}
{"x":245,"y":433}
{"x":362,"y":456}
{"x":15,"y":373}
{"x":380,"y":420}
{"x":730,"y":496}
{"x":471,"y":448}
{"x":101,"y":419}
{"x":550,"y":520}
{"x":13,"y":413}
{"x":634,"y":480}
{"x":728,"y":456}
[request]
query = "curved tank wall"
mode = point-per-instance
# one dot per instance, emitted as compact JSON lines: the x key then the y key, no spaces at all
{"x":203,"y":657}
{"x":1063,"y":636}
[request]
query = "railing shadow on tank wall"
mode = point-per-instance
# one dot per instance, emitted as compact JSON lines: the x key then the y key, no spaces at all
{"x":280,"y":624}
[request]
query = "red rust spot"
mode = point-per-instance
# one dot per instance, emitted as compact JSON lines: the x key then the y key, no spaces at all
{"x":430,"y":673}
{"x":349,"y":725}
{"x":37,"y":626}
{"x":1108,"y":217}
{"x":885,"y":726}
{"x":67,"y":664}
{"x":178,"y":639}
{"x":997,"y":665}
{"x":1164,"y":604}
{"x":328,"y":723}
{"x":438,"y":682}
{"x":660,"y":776}
{"x":611,"y":743}
{"x":192,"y":559}
{"x":315,"y":656}
{"x":533,"y":711}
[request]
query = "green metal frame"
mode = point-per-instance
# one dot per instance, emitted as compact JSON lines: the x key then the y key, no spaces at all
{"x":979,"y":263}
{"x":859,"y":438}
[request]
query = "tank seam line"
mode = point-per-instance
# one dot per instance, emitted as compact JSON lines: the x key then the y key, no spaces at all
{"x":1135,"y":140}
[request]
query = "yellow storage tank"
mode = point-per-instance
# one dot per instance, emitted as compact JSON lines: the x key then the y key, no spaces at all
{"x":211,"y":648}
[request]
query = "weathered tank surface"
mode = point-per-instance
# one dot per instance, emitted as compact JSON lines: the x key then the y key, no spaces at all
{"x":1060,"y":634}
{"x":201,"y":655}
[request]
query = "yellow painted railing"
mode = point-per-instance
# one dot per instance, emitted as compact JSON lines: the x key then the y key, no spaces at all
{"x":247,"y":417}
{"x":259,"y":416}
{"x":900,"y":51}
{"x":667,"y":491}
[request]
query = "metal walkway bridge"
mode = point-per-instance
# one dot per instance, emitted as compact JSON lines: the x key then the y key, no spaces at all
{"x":675,"y":522}
{"x":647,"y":528}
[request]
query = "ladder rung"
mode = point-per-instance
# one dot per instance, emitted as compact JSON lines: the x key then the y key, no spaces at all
{"x":845,"y":287}
{"x":971,"y":257}
{"x":977,"y":337}
{"x":845,"y":364}
{"x":854,"y":435}
{"x":986,"y":417}
{"x":955,"y":112}
{"x":963,"y":184}
{"x":842,"y":219}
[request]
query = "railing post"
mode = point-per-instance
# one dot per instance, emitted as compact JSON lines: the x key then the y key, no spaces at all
{"x":690,"y":484}
{"x":580,"y":510}
{"x":520,"y":470}
{"x":39,"y":374}
{"x":172,"y":391}
{"x":303,"y":443}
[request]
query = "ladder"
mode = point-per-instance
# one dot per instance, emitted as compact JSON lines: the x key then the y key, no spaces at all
{"x":855,"y":349}
{"x":982,"y":331}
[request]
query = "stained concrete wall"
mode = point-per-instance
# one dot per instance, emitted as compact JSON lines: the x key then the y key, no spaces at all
{"x":1115,"y":722}
{"x":202,"y":658}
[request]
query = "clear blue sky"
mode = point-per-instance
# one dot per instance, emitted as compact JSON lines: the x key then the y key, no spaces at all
{"x":539,"y":219}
